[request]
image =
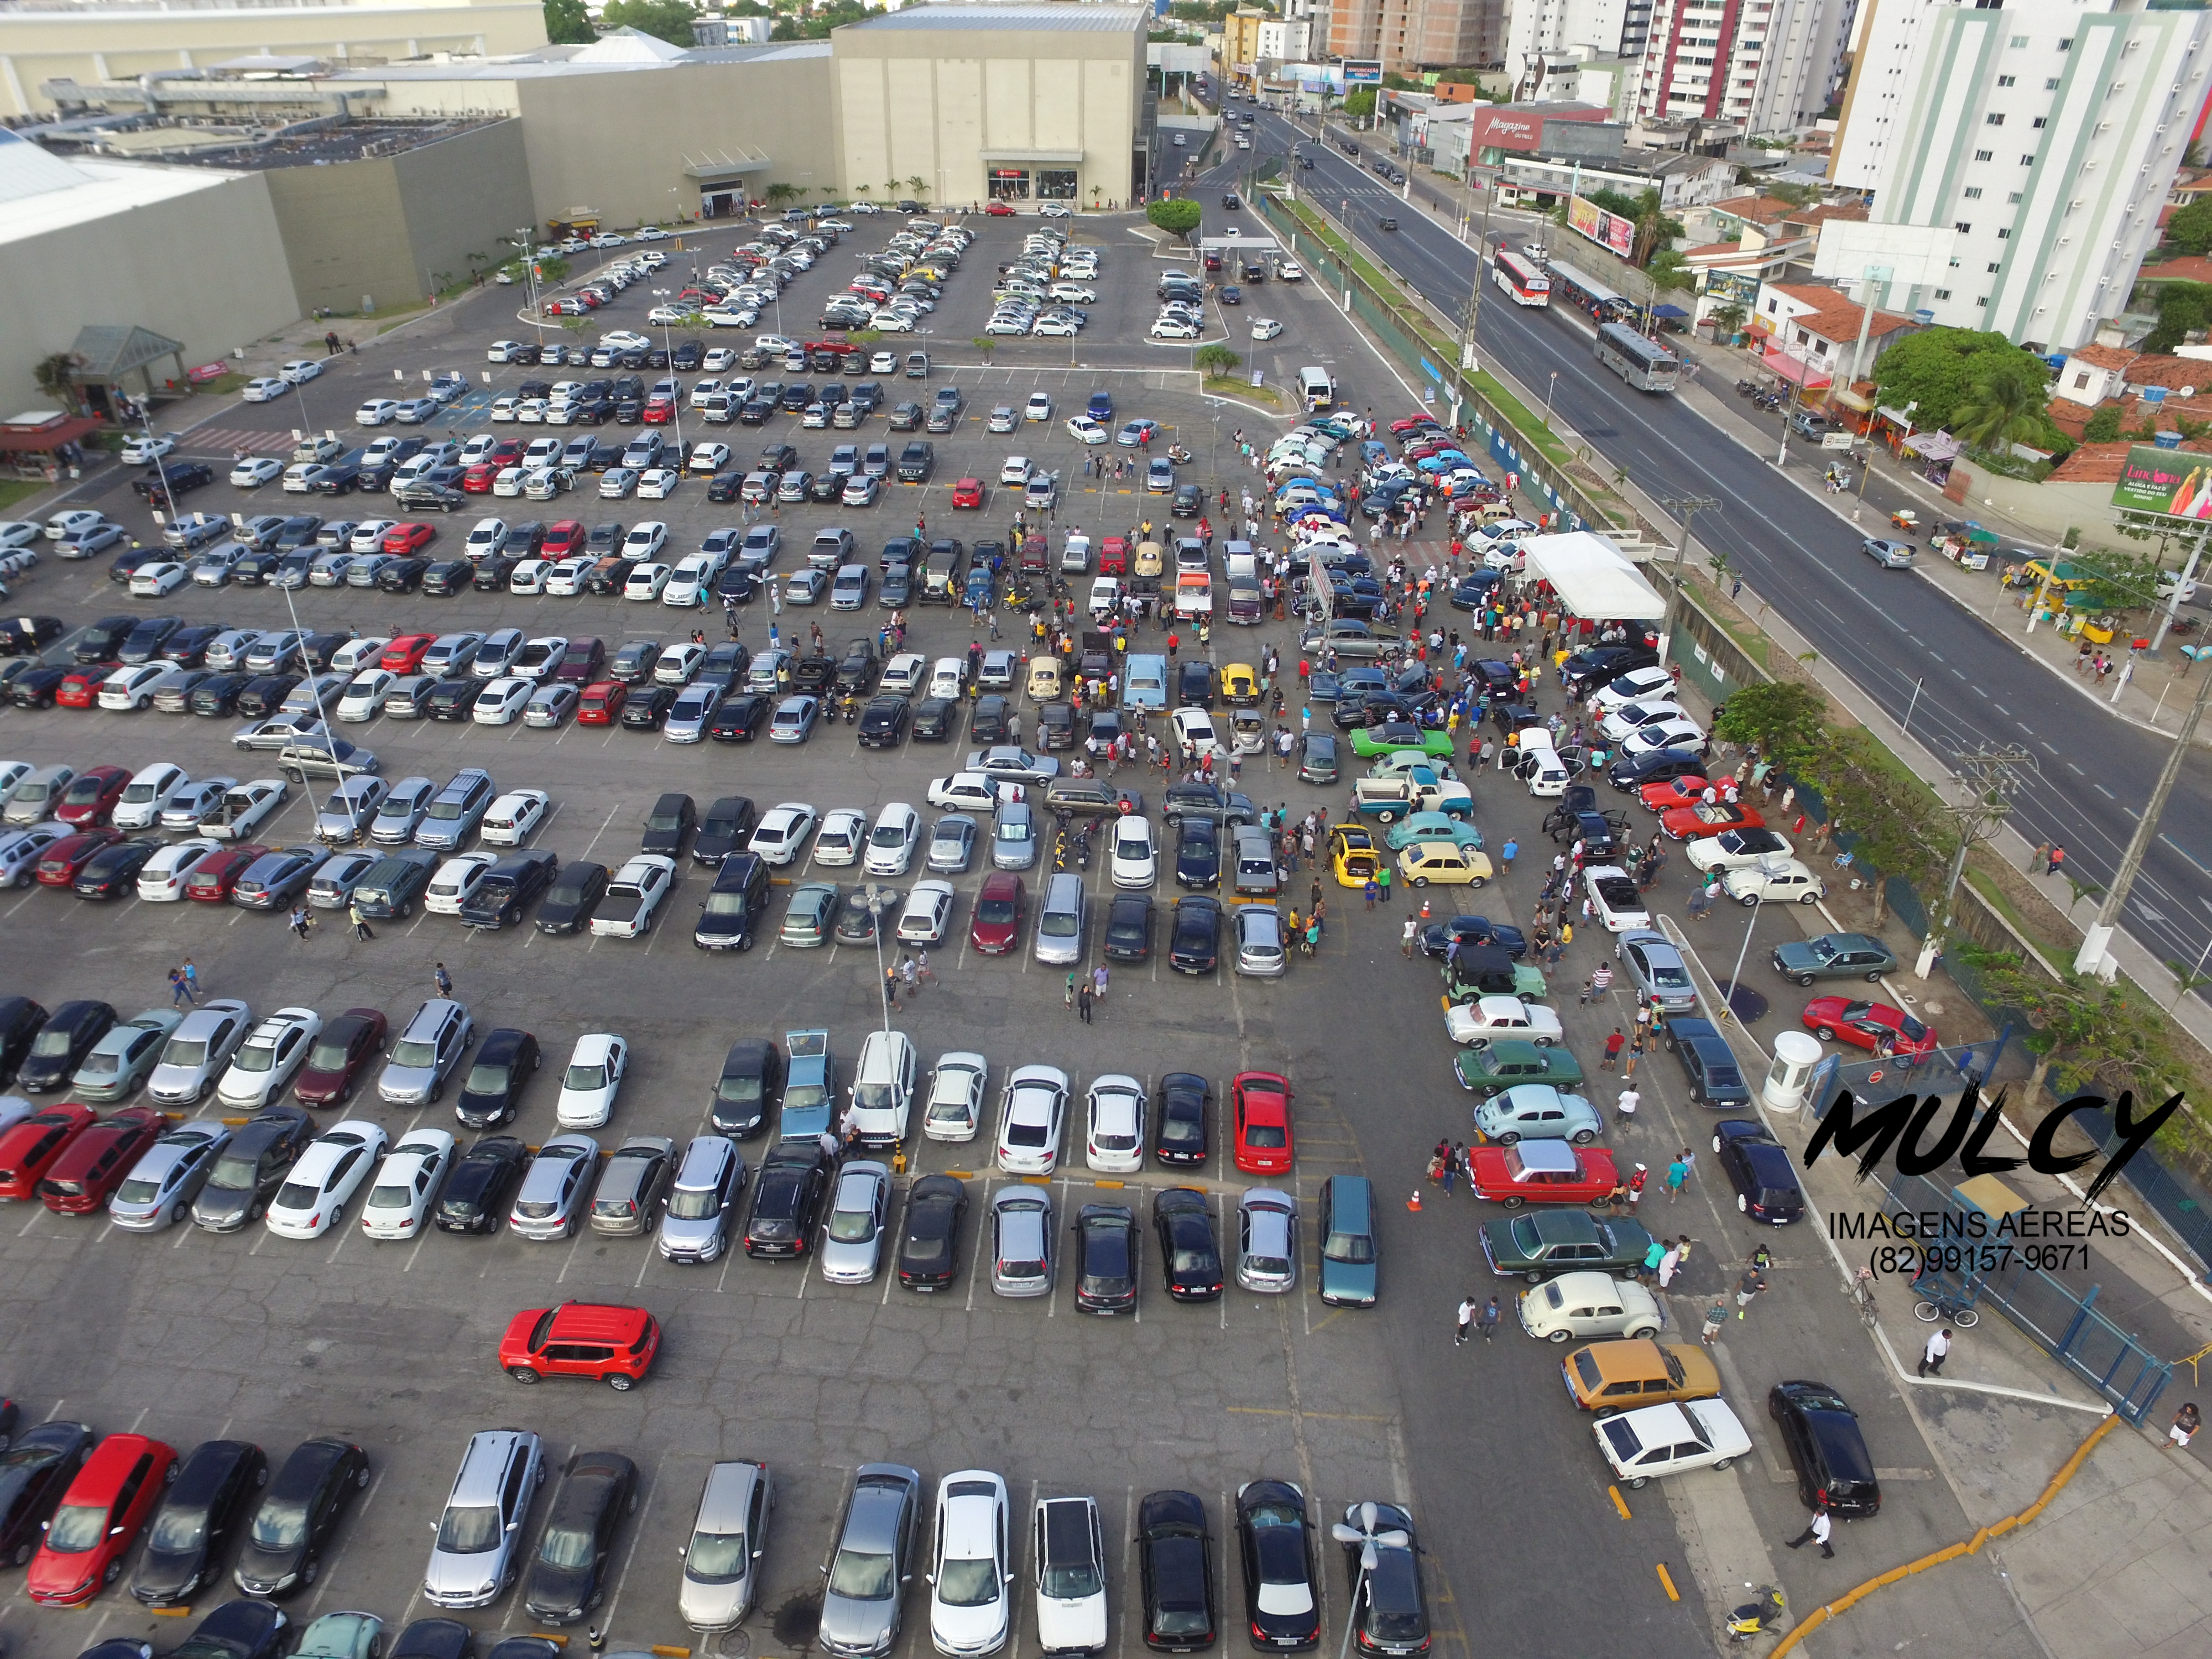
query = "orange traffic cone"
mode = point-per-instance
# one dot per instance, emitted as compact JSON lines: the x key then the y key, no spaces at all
{"x":1414,"y":1203}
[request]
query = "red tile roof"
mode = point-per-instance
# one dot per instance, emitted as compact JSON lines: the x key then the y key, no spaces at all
{"x":2100,"y":463}
{"x":2191,"y":268}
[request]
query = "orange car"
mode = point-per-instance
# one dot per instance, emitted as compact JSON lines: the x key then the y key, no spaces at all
{"x":1688,"y":823}
{"x":1672,"y":793}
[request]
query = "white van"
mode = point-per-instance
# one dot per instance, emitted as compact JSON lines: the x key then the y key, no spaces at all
{"x":882,"y":1087}
{"x":1316,"y":389}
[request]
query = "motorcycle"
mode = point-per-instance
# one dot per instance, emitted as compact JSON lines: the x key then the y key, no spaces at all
{"x":852,"y":709}
{"x":1746,"y":388}
{"x":1761,"y":1617}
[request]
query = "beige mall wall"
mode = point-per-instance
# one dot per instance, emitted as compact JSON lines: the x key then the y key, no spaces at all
{"x":207,"y":269}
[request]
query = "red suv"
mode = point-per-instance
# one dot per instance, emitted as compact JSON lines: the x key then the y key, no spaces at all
{"x":998,"y":925}
{"x":592,"y":1339}
{"x":92,"y":1166}
{"x":28,"y":1150}
{"x":100,"y":1518}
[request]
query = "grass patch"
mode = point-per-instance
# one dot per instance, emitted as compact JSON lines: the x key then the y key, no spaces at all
{"x":1228,"y":385}
{"x":224,"y":385}
{"x":1992,"y":893}
{"x":13,"y":490}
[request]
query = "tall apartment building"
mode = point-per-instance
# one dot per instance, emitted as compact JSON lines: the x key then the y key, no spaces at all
{"x":1770,"y":64}
{"x":1539,"y":32}
{"x":1411,"y":35}
{"x":2046,"y":135}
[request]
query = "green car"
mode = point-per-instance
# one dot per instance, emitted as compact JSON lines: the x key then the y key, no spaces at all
{"x":813,"y":907}
{"x":1399,"y":739}
{"x":1482,"y":971}
{"x":121,"y":1061}
{"x":1432,"y":826}
{"x":1834,"y":956}
{"x":1540,"y":1243}
{"x":1349,"y":1276}
{"x":1490,"y":1067}
{"x":341,"y":1636}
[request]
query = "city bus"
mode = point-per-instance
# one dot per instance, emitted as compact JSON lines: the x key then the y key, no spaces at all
{"x":1521,"y":278}
{"x":1644,"y":364}
{"x":1587,"y":294}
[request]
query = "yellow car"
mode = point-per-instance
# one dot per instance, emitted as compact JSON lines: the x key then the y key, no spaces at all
{"x":1352,"y":855}
{"x":1240,"y":686}
{"x":1045,"y":679}
{"x":1440,"y":862}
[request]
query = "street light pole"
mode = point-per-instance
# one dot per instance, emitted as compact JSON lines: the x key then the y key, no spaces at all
{"x":1736,"y":973}
{"x":2097,"y":941}
{"x":1688,"y":506}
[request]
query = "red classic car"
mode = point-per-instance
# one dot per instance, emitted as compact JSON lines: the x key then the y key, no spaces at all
{"x":1260,"y":1110}
{"x":602,"y":704}
{"x":28,"y":1150}
{"x":99,"y":1520}
{"x":1541,"y":1172}
{"x":1674,"y":792}
{"x":90,"y":799}
{"x":1688,"y":823}
{"x":968,"y":493}
{"x":1874,"y":1025}
{"x":92,"y":1166}
{"x":60,"y":865}
{"x":214,"y":876}
{"x":598,"y":1341}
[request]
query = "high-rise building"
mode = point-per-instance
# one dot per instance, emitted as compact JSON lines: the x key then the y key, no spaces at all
{"x":1770,"y":64}
{"x":1541,"y":32}
{"x":2044,"y":137}
{"x":1409,"y":35}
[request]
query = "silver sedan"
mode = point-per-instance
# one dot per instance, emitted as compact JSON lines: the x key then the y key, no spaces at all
{"x":853,"y":1243}
{"x":159,"y":1191}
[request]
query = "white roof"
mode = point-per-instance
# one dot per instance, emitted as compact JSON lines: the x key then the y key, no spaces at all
{"x":1593,"y":576}
{"x":42,"y":192}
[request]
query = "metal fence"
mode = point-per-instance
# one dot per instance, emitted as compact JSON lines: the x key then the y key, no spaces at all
{"x":2064,"y":1324}
{"x":2172,"y":1194}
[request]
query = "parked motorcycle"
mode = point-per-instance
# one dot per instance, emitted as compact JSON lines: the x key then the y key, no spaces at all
{"x":1762,"y":1616}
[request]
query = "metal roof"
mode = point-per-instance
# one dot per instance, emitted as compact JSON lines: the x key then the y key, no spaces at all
{"x":1064,"y":18}
{"x":112,"y":349}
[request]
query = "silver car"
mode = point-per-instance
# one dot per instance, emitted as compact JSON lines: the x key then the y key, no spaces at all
{"x":352,"y":807}
{"x":1260,"y":950}
{"x":1021,"y":1241}
{"x":199,"y":1051}
{"x":1658,"y":970}
{"x":123,"y":1060}
{"x":952,"y":843}
{"x":401,"y":811}
{"x":631,"y":1185}
{"x":870,"y":1562}
{"x":555,"y":1188}
{"x":426,"y":1052}
{"x":1267,"y":1241}
{"x":159,"y":1190}
{"x":729,"y":1536}
{"x":853,"y":1243}
{"x":474,"y":1559}
{"x":702,"y":1205}
{"x":38,"y":795}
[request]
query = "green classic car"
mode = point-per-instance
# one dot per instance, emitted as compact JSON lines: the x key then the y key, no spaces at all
{"x":1482,"y":971}
{"x":341,"y":1636}
{"x":1431,"y":826}
{"x":1488,"y":1067}
{"x":1398,"y":736}
{"x":1545,"y":1243}
{"x":1833,"y":955}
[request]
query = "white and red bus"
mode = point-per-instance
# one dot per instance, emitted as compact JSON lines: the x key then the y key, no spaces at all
{"x":1521,"y":278}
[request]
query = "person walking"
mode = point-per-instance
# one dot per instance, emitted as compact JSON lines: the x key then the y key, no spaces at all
{"x":1613,"y":1048}
{"x":1626,"y":1105}
{"x":1816,"y":1532}
{"x":1678,"y":1176}
{"x":1747,"y":1285}
{"x":1405,"y":941}
{"x":191,"y":981}
{"x":177,"y":991}
{"x":1454,"y":1160}
{"x":1369,"y":891}
{"x":2054,"y":860}
{"x":361,"y":927}
{"x":1716,"y":1317}
{"x":1082,"y":1001}
{"x":1669,"y":1264}
{"x":1466,"y":1312}
{"x":1933,"y":1355}
{"x":1655,"y":1254}
{"x":443,"y":981}
{"x":1486,"y":1322}
{"x":1070,"y":991}
{"x":2186,"y":1422}
{"x":1098,"y":982}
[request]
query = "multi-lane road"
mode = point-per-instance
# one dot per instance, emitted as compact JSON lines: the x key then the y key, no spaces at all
{"x":1901,"y":638}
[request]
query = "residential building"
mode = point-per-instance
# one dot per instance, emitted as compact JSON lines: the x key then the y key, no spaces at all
{"x":1542,"y":36}
{"x":1770,"y":64}
{"x":1284,"y":39}
{"x":2047,"y":135}
{"x":1810,"y":334}
{"x":1409,"y":35}
{"x":1240,"y":44}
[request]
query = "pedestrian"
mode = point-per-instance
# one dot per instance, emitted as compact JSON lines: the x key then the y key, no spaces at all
{"x":1816,"y":1530}
{"x":1406,"y":945}
{"x":1716,"y":1317}
{"x":1082,"y":1001}
{"x":1612,"y":1047}
{"x":1626,"y":1105}
{"x":1668,"y":1263}
{"x":1678,"y":1176}
{"x":1486,"y":1322}
{"x":1505,"y":852}
{"x":1655,"y":1254}
{"x":443,"y":980}
{"x":1466,"y":1312}
{"x":2058,"y":857}
{"x":1749,"y":1284}
{"x":1382,"y":880}
{"x":1454,"y":1160}
{"x":1933,"y":1355}
{"x":361,"y":928}
{"x":1369,"y":892}
{"x":1098,"y":982}
{"x":191,"y":980}
{"x":2186,"y":1422}
{"x":176,"y":987}
{"x":298,"y":921}
{"x":1070,"y":990}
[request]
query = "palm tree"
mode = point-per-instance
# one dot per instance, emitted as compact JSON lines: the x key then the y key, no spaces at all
{"x":57,"y":376}
{"x":1096,"y":190}
{"x":860,"y":190}
{"x":891,"y":187}
{"x":1215,"y":360}
{"x":2003,"y":404}
{"x":1727,"y":320}
{"x":918,"y":185}
{"x":1650,"y":227}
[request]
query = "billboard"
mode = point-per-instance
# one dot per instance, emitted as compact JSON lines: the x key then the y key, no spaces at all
{"x":1363,"y":72}
{"x":2176,"y":482}
{"x":1579,"y":138}
{"x":1608,"y":230}
{"x":1733,"y":287}
{"x":1529,"y":128}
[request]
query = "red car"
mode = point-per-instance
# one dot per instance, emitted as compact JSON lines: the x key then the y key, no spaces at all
{"x":28,"y":1150}
{"x":969,"y":492}
{"x":404,"y":655}
{"x":997,"y":928}
{"x":602,"y":704}
{"x":1411,"y":423}
{"x":342,"y":1052}
{"x":214,"y":876}
{"x":80,"y":687}
{"x":60,"y":865}
{"x":1674,"y":792}
{"x":659,"y":409}
{"x":1688,"y":823}
{"x":99,"y":1520}
{"x":1541,"y":1172}
{"x":1259,"y":1109}
{"x":93,"y":1165}
{"x":476,"y":481}
{"x":91,"y":799}
{"x":594,"y":1340}
{"x":564,"y":538}
{"x":1874,"y":1025}
{"x":1113,"y":557}
{"x":404,"y":538}
{"x":999,"y":210}
{"x":507,"y":452}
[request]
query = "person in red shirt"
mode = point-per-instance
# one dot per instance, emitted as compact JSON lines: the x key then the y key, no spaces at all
{"x":1613,"y":1045}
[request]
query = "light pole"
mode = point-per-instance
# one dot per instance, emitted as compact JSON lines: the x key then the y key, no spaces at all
{"x":1549,"y":390}
{"x":668,"y":350}
{"x":1736,"y":973}
{"x":1371,"y":1543}
{"x":2090,"y":958}
{"x":529,"y":278}
{"x":1688,"y":506}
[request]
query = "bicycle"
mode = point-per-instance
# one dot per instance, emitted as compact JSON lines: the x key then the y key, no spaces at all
{"x":1957,"y":1310}
{"x":1861,"y":1291}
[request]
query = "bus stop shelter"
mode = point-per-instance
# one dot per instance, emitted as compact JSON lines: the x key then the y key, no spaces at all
{"x":1593,"y":578}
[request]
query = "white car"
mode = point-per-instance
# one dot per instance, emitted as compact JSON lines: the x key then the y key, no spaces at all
{"x":594,"y":1077}
{"x":1195,"y":735}
{"x":162,"y":881}
{"x":487,"y":538}
{"x":1776,"y":878}
{"x":399,"y":1205}
{"x":1174,"y":328}
{"x":1637,"y":685}
{"x":1016,"y":470}
{"x":1265,"y":328}
{"x":646,"y":582}
{"x":300,"y":371}
{"x":1085,"y":430}
{"x":1114,"y":1143}
{"x":540,"y":657}
{"x":314,"y":1195}
{"x":1039,"y":407}
{"x":375,"y":412}
{"x":838,"y":842}
{"x":508,"y":481}
{"x":1032,"y":1115}
{"x":456,"y":881}
{"x":972,"y":1580}
{"x":265,"y":389}
{"x":255,"y":471}
{"x":142,"y":450}
{"x":502,"y":701}
{"x":928,"y":914}
{"x":509,"y":821}
{"x":780,"y":835}
{"x":266,"y":1062}
{"x":903,"y":673}
{"x":73,"y":522}
{"x":955,"y":1111}
{"x":678,"y":663}
{"x":245,"y":807}
{"x":657,"y":483}
{"x":529,"y":576}
{"x":972,"y":791}
{"x":162,"y":576}
{"x":1134,"y":859}
{"x":1614,"y":892}
{"x":645,"y":541}
{"x":1671,"y":733}
{"x":1068,"y":1555}
{"x":1696,"y":1434}
{"x":688,"y":580}
{"x":365,"y":695}
{"x":1502,"y":1017}
{"x":565,"y":580}
{"x":709,"y":457}
{"x":891,"y":843}
{"x":633,"y":896}
{"x":150,"y":787}
{"x":1629,"y":717}
{"x":1733,"y":849}
{"x":368,"y":535}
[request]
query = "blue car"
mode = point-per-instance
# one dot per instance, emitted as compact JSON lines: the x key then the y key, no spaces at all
{"x":810,"y":1090}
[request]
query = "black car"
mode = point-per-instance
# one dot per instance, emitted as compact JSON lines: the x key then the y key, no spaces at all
{"x":740,"y":720}
{"x":813,"y":676}
{"x":1194,"y":686}
{"x":492,"y":572}
{"x":1129,"y":927}
{"x":447,"y":576}
{"x":749,"y":1089}
{"x":1275,"y":1547}
{"x":1632,"y":772}
{"x":101,"y":641}
{"x":1822,"y":1434}
{"x":62,"y":1043}
{"x":883,"y":722}
{"x":569,"y":1574}
{"x":730,"y":914}
{"x":218,"y":694}
{"x":1198,"y":854}
{"x":1190,"y":1254}
{"x":285,"y":1543}
{"x":1186,"y":1115}
{"x":186,"y":646}
{"x":263,"y":695}
{"x":447,"y":1638}
{"x":575,"y":894}
{"x":646,"y":709}
{"x":243,"y":1629}
{"x":34,"y":1471}
{"x":199,"y":1516}
{"x":1176,"y":1565}
{"x":787,"y":1197}
{"x":634,"y":664}
{"x":1179,"y":801}
{"x":508,"y":887}
{"x":727,"y":826}
{"x":1472,"y":591}
{"x":252,"y":1167}
{"x":1759,"y":1168}
{"x":112,"y":871}
{"x":34,"y":688}
{"x":482,"y":1187}
{"x":670,"y":824}
{"x":1194,"y":941}
{"x":21,"y":636}
{"x":492,"y":1092}
{"x":144,"y":642}
{"x":1391,"y":1620}
{"x":20,"y":1020}
{"x":1105,"y":1259}
{"x":1189,"y":501}
{"x":450,"y":700}
{"x":1437,"y":937}
{"x":929,"y":1248}
{"x":168,"y":478}
{"x":936,"y":719}
{"x":1715,"y":1078}
{"x":1602,"y":665}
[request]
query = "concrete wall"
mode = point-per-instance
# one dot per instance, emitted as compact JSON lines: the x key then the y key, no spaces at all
{"x":207,"y":269}
{"x":121,"y":42}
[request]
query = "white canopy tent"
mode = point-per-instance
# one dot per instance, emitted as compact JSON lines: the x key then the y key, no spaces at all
{"x":1592,"y":577}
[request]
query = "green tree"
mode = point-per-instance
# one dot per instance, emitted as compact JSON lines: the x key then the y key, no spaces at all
{"x":1175,"y":215}
{"x":1669,"y":272}
{"x":2189,"y":230}
{"x":1796,"y":195}
{"x":2103,"y":426}
{"x":1727,"y":320}
{"x":1215,"y":360}
{"x":57,"y":376}
{"x":1936,"y":369}
{"x":665,"y":20}
{"x":2004,"y":402}
{"x":568,"y":24}
{"x":2103,"y":1037}
{"x":1786,"y":720}
{"x":918,"y":185}
{"x":1359,"y":104}
{"x":2183,"y":309}
{"x":1901,"y":831}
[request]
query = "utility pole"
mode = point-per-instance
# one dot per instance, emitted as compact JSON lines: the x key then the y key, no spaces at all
{"x":1686,"y":507}
{"x":1990,"y":777}
{"x":2091,"y":958}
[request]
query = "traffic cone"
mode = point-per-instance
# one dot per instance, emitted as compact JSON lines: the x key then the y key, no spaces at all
{"x":1414,"y":1203}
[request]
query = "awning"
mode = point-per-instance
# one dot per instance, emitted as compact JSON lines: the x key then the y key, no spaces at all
{"x":1776,"y":361}
{"x":1934,"y":445}
{"x":1850,"y":399}
{"x":1669,"y":311}
{"x":47,"y":438}
{"x":1593,"y":577}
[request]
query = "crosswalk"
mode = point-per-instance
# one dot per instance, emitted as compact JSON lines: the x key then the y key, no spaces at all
{"x":209,"y":442}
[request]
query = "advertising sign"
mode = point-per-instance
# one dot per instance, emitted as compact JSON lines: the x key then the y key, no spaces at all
{"x":1736,"y":286}
{"x":2176,"y":482}
{"x":1608,"y":230}
{"x":1363,"y":72}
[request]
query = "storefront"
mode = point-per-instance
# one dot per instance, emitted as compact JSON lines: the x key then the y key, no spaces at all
{"x":1035,"y":176}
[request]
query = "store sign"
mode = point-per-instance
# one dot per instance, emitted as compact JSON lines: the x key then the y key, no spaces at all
{"x":1363,"y":72}
{"x":2175,"y":483}
{"x":1608,"y":230}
